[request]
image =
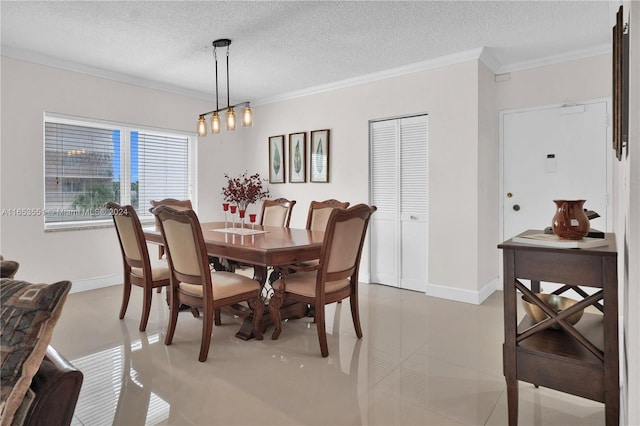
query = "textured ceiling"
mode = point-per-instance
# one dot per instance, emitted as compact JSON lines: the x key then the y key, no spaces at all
{"x":283,"y":47}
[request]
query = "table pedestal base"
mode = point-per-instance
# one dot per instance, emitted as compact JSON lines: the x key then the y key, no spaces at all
{"x":289,"y":310}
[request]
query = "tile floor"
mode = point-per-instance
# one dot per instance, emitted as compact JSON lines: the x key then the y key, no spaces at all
{"x":422,"y":361}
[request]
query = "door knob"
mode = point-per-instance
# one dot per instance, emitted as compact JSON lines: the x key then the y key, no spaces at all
{"x":516,"y":207}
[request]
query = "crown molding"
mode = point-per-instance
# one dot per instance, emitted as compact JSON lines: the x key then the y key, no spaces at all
{"x":601,"y":49}
{"x":30,"y":56}
{"x":443,"y":61}
{"x":482,"y":54}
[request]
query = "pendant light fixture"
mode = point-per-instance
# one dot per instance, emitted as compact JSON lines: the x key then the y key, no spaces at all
{"x":230,"y":119}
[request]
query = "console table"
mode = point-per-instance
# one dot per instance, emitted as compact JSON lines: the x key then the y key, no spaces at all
{"x":581,"y":359}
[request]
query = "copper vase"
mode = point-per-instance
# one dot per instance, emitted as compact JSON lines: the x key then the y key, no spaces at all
{"x":570,"y":221}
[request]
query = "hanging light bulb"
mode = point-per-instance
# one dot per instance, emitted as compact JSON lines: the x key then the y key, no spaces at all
{"x":231,"y":119}
{"x":215,"y":123}
{"x":202,"y":126}
{"x":247,"y":117}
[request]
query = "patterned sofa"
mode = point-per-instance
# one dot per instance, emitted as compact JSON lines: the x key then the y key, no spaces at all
{"x":38,"y":385}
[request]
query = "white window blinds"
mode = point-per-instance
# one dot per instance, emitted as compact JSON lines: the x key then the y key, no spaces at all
{"x":162,"y":166}
{"x":90,"y":163}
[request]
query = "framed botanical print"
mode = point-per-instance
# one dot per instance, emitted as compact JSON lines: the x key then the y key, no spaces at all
{"x":276,"y":159}
{"x":298,"y":157}
{"x":319,"y":163}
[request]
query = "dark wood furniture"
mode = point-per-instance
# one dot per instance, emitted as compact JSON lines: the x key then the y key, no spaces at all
{"x":193,"y":284}
{"x":176,"y":204}
{"x":276,"y":212}
{"x":581,"y":360}
{"x":276,"y":247}
{"x":335,"y":277}
{"x":137,"y":266}
{"x":319,"y":212}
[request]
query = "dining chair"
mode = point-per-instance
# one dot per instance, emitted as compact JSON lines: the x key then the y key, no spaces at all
{"x":334,"y":278}
{"x":192,"y":281}
{"x":276,"y":212}
{"x":319,"y":212}
{"x":177,"y":204}
{"x":138,"y":269}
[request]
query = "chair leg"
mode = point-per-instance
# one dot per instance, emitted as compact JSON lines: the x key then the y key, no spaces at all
{"x":217,"y":319}
{"x":174,"y":308}
{"x":146,"y":307}
{"x":355,"y":314}
{"x":257,"y":306}
{"x":126,"y":293}
{"x":207,"y":329}
{"x":322,"y":332}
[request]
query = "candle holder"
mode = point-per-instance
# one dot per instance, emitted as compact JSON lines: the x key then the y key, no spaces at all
{"x":252,"y":219}
{"x":241,"y":213}
{"x":225,"y":207}
{"x":233,"y":213}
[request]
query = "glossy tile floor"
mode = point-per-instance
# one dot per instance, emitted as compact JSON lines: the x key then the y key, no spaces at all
{"x":422,"y":361}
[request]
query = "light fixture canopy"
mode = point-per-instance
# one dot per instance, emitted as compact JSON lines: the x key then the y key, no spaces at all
{"x":230,"y":121}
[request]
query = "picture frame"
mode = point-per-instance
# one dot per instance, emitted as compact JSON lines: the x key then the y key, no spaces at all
{"x":298,"y":157}
{"x":620,"y":89}
{"x":277,"y":159}
{"x":319,"y":156}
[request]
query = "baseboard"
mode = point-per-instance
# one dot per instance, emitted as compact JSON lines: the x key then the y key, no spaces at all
{"x":462,"y":295}
{"x":95,"y":283}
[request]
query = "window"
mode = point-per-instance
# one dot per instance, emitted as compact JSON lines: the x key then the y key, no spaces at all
{"x":88,"y":163}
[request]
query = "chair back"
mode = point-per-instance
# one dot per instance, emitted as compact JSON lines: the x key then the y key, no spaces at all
{"x":184,"y":243}
{"x":132,"y":242}
{"x":276,"y":212}
{"x":319,"y":212}
{"x":176,"y":204}
{"x":342,"y":246}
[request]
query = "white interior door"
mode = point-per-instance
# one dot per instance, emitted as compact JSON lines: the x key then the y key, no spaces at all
{"x":399,"y":188}
{"x":554,"y":153}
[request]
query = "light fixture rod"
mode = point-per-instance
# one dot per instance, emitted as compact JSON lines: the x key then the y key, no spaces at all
{"x":246,"y":103}
{"x":228,"y":90}
{"x":215,"y":57}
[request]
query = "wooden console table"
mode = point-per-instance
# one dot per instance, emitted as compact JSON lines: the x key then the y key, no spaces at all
{"x":582,"y":359}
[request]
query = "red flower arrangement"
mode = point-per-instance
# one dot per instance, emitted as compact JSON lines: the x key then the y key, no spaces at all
{"x":244,"y":190}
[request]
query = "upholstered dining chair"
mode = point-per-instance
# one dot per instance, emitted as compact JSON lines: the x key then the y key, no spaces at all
{"x":276,"y":212}
{"x":334,"y":278}
{"x":138,"y":269}
{"x":319,"y":212}
{"x":194,"y":284}
{"x":176,"y":204}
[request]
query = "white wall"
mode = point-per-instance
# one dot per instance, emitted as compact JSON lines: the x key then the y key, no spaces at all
{"x":488,"y":220}
{"x":629,"y":238}
{"x":86,"y":257}
{"x":450,"y":97}
{"x":461,"y":100}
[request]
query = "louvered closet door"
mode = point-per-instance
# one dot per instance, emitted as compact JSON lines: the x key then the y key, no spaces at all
{"x":399,"y":188}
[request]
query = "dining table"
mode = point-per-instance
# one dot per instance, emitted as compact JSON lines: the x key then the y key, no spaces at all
{"x":263,"y":247}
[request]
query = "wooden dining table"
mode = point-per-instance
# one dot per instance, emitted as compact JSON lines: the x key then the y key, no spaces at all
{"x":260,"y":246}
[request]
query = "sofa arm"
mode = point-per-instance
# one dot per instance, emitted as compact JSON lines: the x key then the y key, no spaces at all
{"x":56,"y":386}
